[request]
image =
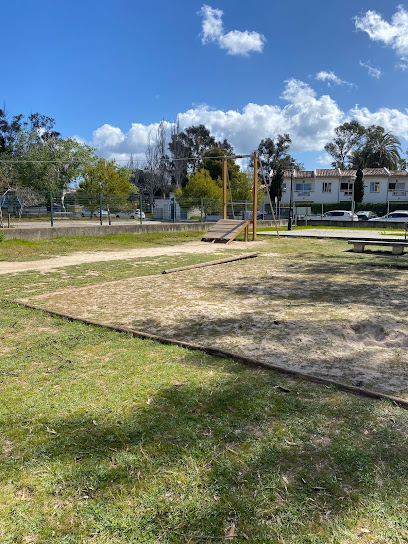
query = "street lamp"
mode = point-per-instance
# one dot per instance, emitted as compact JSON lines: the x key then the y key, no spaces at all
{"x":292,"y":165}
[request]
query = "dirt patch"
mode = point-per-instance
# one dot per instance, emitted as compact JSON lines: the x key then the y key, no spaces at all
{"x":371,"y":334}
{"x":303,"y":315}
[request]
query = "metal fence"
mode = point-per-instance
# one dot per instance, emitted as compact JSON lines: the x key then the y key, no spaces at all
{"x":107,"y":209}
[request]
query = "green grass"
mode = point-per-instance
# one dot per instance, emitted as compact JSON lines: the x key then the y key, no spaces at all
{"x":109,"y":439}
{"x":26,"y":250}
{"x":34,"y":283}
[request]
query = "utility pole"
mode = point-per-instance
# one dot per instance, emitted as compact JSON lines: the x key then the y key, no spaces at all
{"x":255,"y":196}
{"x":224,"y":187}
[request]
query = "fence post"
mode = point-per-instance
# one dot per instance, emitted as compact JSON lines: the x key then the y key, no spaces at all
{"x":52,"y":210}
{"x":202,"y":210}
{"x":100,"y":208}
{"x":174,"y":209}
{"x":140,"y":207}
{"x":8,"y":221}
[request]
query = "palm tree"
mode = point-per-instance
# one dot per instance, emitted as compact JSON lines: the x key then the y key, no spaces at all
{"x":382,"y":149}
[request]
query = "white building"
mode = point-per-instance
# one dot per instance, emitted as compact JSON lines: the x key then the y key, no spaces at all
{"x":336,"y":186}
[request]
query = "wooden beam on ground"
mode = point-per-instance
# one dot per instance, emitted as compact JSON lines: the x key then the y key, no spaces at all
{"x":225,"y":230}
{"x":403,"y":403}
{"x":211,"y":263}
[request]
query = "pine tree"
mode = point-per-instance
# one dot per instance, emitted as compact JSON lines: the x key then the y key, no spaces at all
{"x":359,"y":186}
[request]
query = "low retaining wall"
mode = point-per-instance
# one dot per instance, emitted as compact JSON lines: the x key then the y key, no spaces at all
{"x":41,"y":233}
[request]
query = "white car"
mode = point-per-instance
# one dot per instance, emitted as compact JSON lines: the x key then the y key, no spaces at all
{"x":334,"y":215}
{"x":105,"y":213}
{"x":134,"y":214}
{"x":400,"y":216}
{"x":340,"y":215}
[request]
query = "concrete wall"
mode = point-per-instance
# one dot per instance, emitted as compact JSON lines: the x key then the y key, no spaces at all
{"x":41,"y":233}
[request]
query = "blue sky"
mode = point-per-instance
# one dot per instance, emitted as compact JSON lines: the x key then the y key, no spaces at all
{"x":108,"y":72}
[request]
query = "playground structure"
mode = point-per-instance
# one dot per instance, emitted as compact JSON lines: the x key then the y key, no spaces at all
{"x":226,"y":230}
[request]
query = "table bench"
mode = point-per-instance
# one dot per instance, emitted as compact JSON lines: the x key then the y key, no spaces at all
{"x":396,"y":245}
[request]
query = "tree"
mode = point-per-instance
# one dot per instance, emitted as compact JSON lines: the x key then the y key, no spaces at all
{"x":274,"y":153}
{"x":381,"y":149}
{"x":198,"y":139}
{"x":348,"y":138}
{"x":179,"y":151}
{"x":156,"y":176}
{"x":39,"y":157}
{"x":201,"y":186}
{"x":108,"y":179}
{"x":359,"y":186}
{"x":214,"y":165}
{"x":275,"y":188}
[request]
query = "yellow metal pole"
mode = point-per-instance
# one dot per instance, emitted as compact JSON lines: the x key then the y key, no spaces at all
{"x":255,"y":196}
{"x":224,"y":187}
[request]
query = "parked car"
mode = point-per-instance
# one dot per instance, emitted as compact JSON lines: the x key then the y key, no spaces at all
{"x":340,"y":215}
{"x":134,"y":214}
{"x":335,"y":215}
{"x":265,"y":216}
{"x":366,"y":215}
{"x":399,"y":215}
{"x":97,"y":213}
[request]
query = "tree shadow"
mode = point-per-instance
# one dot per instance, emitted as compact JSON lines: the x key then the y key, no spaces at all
{"x":196,"y":459}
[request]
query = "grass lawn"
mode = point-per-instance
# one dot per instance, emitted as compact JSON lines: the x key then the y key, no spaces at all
{"x":109,"y":439}
{"x":26,"y":250}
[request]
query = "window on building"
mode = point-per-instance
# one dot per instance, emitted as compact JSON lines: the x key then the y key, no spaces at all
{"x":327,"y":186}
{"x":374,"y":187}
{"x":391,"y":186}
{"x":303,"y":187}
{"x":346,"y":187}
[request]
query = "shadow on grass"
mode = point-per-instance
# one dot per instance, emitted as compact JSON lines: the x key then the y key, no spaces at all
{"x":196,"y":459}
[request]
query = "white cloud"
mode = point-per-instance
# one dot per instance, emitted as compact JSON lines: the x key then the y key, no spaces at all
{"x":324,"y":160}
{"x":373,"y":72}
{"x":392,"y":120}
{"x":235,"y":42}
{"x":309,"y":119}
{"x":331,"y":77}
{"x":394,"y":34}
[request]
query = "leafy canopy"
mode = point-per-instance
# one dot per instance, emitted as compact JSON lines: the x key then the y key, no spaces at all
{"x":108,"y":179}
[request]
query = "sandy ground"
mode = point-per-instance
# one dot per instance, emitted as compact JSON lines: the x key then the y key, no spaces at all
{"x":45,"y":265}
{"x":328,"y":319}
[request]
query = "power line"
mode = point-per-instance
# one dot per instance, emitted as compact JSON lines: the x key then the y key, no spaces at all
{"x":17,"y":161}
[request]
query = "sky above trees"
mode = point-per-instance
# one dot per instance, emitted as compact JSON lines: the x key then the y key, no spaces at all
{"x":109,"y":72}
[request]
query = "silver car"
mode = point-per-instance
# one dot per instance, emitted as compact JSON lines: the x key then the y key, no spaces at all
{"x":340,"y":215}
{"x":401,"y":216}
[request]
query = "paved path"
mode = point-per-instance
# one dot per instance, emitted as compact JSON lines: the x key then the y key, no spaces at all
{"x":346,"y":234}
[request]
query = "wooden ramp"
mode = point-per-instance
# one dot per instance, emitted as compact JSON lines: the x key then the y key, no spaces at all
{"x":226,"y":230}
